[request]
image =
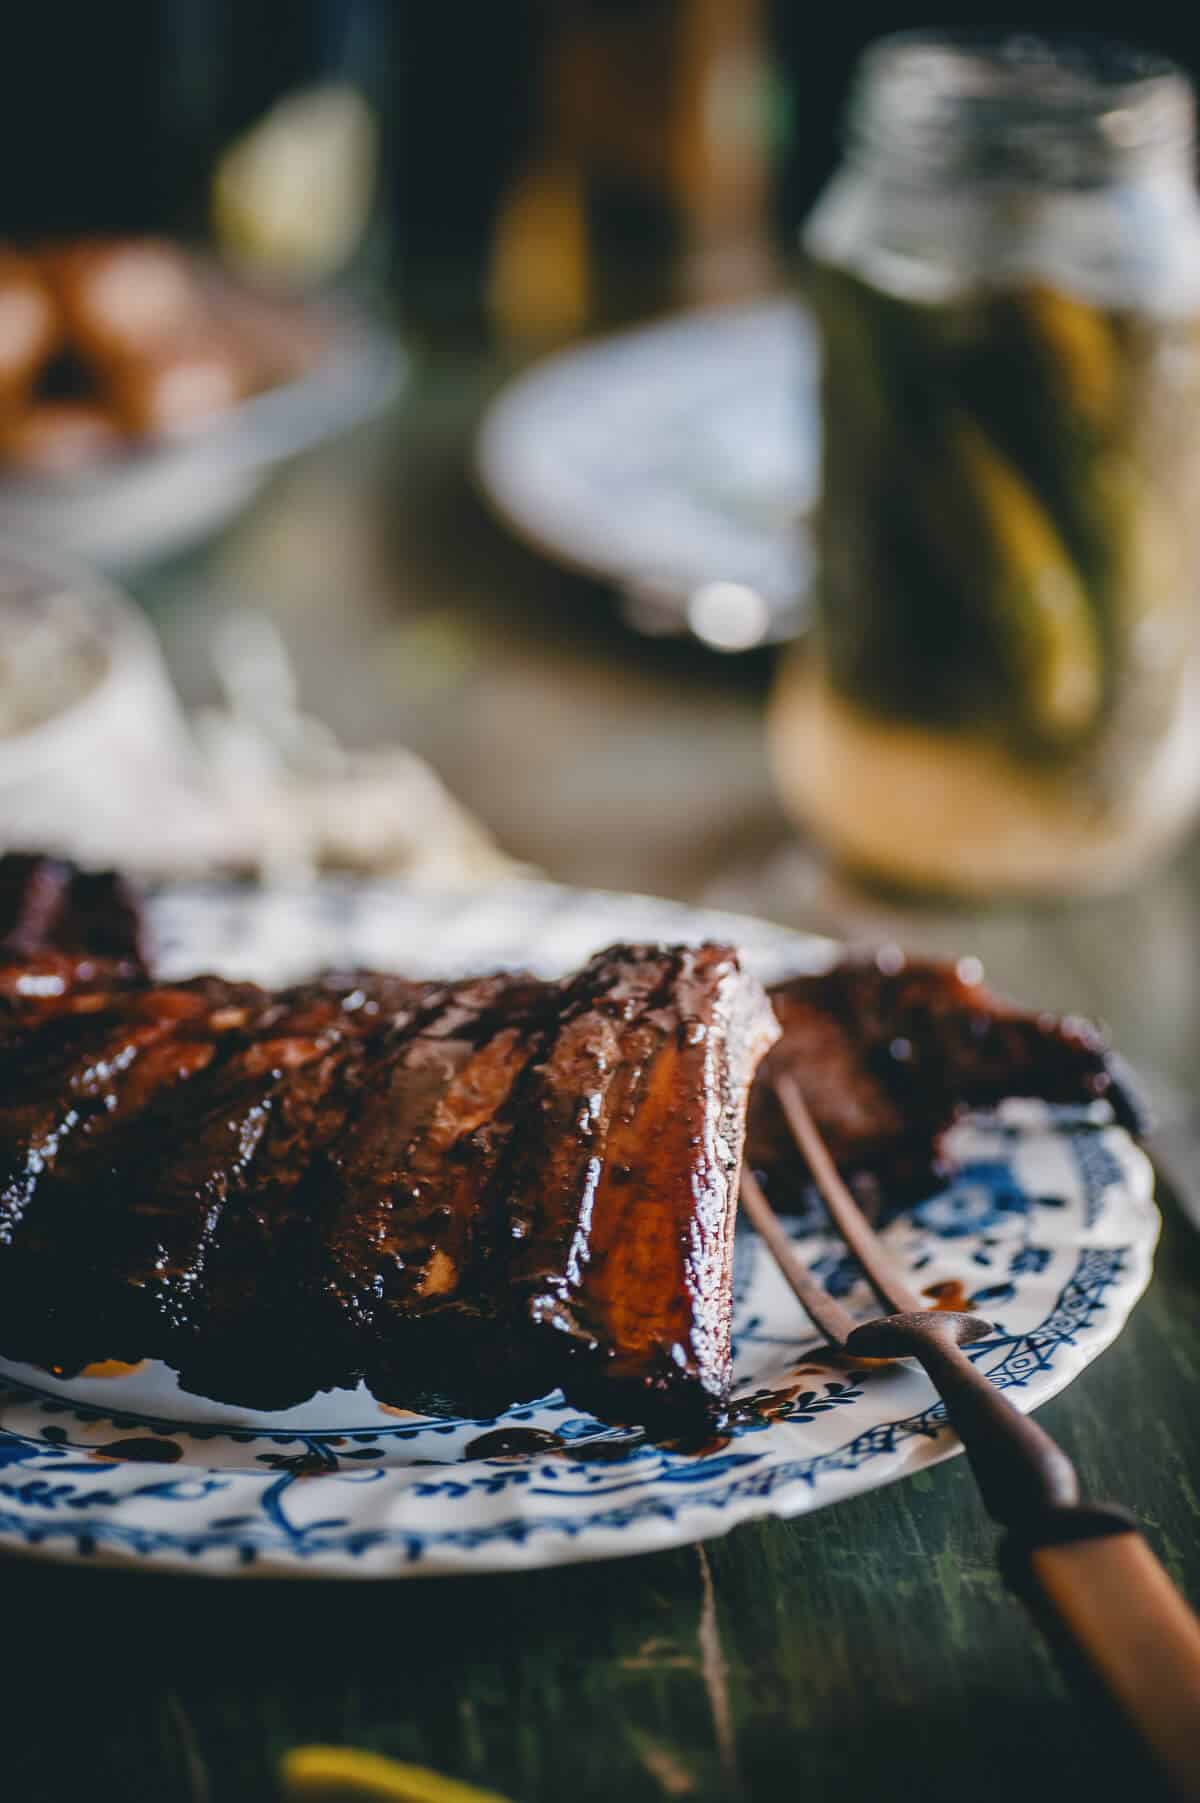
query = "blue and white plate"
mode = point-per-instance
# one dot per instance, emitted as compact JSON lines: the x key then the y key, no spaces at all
{"x":1047,"y":1228}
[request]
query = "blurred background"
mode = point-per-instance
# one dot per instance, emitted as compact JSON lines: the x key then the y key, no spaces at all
{"x":680,"y":120}
{"x":447,"y":578}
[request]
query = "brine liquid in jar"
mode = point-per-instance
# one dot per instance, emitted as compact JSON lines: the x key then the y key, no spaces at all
{"x":1003,"y":688}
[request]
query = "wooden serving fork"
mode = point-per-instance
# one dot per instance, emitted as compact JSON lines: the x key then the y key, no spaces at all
{"x":1085,"y":1563}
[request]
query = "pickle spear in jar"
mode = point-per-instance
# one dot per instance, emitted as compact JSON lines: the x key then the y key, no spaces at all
{"x":1062,"y":383}
{"x":1031,"y":591}
{"x":1047,"y":378}
{"x":971,"y":543}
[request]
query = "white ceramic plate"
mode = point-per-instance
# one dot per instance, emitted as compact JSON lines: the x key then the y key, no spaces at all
{"x":678,"y":461}
{"x":1048,"y":1227}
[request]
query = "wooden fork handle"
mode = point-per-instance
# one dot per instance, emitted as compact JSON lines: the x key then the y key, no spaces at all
{"x":1124,"y":1615}
{"x":1086,"y":1563}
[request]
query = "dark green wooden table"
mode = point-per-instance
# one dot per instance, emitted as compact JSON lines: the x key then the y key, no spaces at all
{"x":871,"y":1645}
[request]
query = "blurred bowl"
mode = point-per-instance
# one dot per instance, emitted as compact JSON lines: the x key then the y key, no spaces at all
{"x":134,"y":505}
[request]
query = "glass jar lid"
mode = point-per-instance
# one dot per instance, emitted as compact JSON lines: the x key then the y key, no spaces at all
{"x":1078,"y":111}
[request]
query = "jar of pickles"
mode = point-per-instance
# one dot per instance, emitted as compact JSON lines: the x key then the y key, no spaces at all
{"x":1003,"y":687}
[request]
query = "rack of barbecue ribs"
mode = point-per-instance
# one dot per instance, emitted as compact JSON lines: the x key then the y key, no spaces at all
{"x":888,"y":1052}
{"x":466,"y":1193}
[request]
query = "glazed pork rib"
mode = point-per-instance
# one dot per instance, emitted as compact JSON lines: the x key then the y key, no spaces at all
{"x":48,"y":904}
{"x":624,"y":1184}
{"x":466,"y":1193}
{"x":889,"y":1051}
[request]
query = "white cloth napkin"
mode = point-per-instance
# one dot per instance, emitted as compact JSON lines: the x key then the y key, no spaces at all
{"x":253,"y":786}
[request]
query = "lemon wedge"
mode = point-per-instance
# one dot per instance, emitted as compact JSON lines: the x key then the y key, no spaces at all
{"x":336,"y":1772}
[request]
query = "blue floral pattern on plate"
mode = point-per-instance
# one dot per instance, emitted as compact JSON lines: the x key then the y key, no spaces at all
{"x":1047,"y":1227}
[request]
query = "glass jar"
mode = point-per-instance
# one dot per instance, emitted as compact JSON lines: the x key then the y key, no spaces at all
{"x":1003,"y":687}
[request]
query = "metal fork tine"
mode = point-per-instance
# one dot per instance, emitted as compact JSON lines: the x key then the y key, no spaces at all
{"x":881,"y":1272}
{"x":823,"y":1310}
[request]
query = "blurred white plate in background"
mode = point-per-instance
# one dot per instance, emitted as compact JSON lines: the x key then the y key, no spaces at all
{"x":679,"y":462}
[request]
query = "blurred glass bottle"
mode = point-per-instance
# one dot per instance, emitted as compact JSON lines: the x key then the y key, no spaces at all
{"x":279,"y":111}
{"x":251,"y":125}
{"x":607,"y":158}
{"x":1004,"y":685}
